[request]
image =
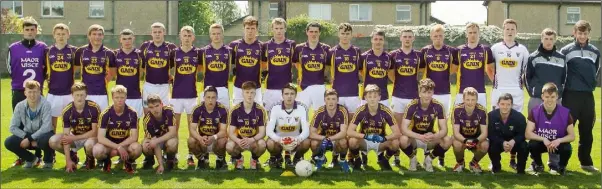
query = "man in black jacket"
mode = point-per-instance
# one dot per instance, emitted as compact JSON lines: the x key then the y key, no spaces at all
{"x":506,"y":128}
{"x":583,"y":63}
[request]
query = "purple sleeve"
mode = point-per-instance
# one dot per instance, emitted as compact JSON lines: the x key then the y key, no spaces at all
{"x":489,"y":53}
{"x":224,"y":116}
{"x":78,"y":56}
{"x":196,"y":113}
{"x":423,"y":58}
{"x":134,"y":121}
{"x":483,"y":120}
{"x":143,"y":53}
{"x":409,"y":112}
{"x":104,"y":119}
{"x":264,"y":52}
{"x":171,"y":46}
{"x":456,"y":117}
{"x":391,"y":61}
{"x":295,"y":58}
{"x":358,"y":118}
{"x":66,"y":124}
{"x":389,"y":118}
{"x":232,"y":119}
{"x":440,"y":112}
{"x":262,"y":119}
{"x":94,"y":112}
{"x":169,"y":118}
{"x":112,"y":64}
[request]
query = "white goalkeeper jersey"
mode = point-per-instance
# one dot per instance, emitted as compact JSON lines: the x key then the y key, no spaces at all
{"x":510,"y":65}
{"x":288,"y":123}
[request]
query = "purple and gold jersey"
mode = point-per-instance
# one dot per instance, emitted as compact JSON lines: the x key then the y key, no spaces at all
{"x":436,"y":65}
{"x":327,"y":125}
{"x":344,"y":66}
{"x":406,"y":68}
{"x":26,"y":63}
{"x":59,"y":65}
{"x":375,"y":70}
{"x":154,"y":127}
{"x":128,"y":71}
{"x":216,"y":63}
{"x":373,"y":124}
{"x":208,"y":122}
{"x":246,"y":57}
{"x":312,"y":63}
{"x":186,"y":64}
{"x":278,"y":57}
{"x":470,"y":125}
{"x":95,"y":67}
{"x":156,"y":61}
{"x":118,"y":126}
{"x":424,"y":121}
{"x":80,"y":122}
{"x":247,"y":124}
{"x":471,"y":66}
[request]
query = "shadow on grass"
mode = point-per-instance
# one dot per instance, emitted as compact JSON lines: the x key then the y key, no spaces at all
{"x":328,"y":177}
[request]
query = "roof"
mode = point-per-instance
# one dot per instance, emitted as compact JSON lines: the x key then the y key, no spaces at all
{"x":486,"y":2}
{"x":436,"y":20}
{"x":228,"y":25}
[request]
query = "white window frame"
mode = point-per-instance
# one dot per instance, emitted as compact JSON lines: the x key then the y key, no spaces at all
{"x":273,"y":9}
{"x":403,"y":8}
{"x":90,"y":6}
{"x":321,"y":16}
{"x":576,"y":10}
{"x":359,"y":6}
{"x":13,"y":8}
{"x":51,"y":5}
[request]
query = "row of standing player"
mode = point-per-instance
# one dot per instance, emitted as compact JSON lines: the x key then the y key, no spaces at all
{"x":345,"y":64}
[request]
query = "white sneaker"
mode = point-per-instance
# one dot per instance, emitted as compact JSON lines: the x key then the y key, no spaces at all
{"x":589,"y":168}
{"x":428,"y":164}
{"x":458,"y":168}
{"x":413,"y":164}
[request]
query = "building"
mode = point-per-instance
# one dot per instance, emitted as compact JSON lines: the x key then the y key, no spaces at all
{"x":114,"y":16}
{"x":362,"y":14}
{"x":535,"y":15}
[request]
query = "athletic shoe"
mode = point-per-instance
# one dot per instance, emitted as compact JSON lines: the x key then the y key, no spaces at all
{"x":106,"y":166}
{"x":357,"y":164}
{"x":129,"y":168}
{"x":18,"y":162}
{"x":48,"y":165}
{"x":170,"y":165}
{"x":220,"y":164}
{"x":538,"y":168}
{"x":240,"y":164}
{"x":31,"y":164}
{"x":384,"y":165}
{"x":364,"y":158}
{"x":89,"y":163}
{"x":512,"y":164}
{"x":562,"y":171}
{"x":319,"y":161}
{"x":148,"y":163}
{"x":475,"y":167}
{"x":190,"y":160}
{"x":344,"y":166}
{"x":413,"y":164}
{"x":397,"y":161}
{"x":428,"y":164}
{"x":589,"y":168}
{"x":288,"y":162}
{"x":459,"y":167}
{"x":441,"y":161}
{"x":254,"y":164}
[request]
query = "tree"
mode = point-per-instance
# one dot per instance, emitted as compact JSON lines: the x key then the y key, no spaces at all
{"x":197,"y":14}
{"x":225,"y":12}
{"x":11,"y":24}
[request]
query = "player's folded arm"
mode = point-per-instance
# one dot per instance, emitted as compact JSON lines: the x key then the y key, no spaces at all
{"x":405,"y":129}
{"x":133,"y":138}
{"x":102,"y":139}
{"x":457,"y":135}
{"x":484,"y":133}
{"x":314,"y":134}
{"x":342,"y":134}
{"x":442,"y":128}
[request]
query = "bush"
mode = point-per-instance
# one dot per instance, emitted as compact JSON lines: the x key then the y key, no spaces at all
{"x":296,"y":27}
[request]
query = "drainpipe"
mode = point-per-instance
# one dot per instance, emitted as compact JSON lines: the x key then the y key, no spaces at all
{"x":259,"y":16}
{"x":113,"y":16}
{"x":507,"y":10}
{"x":167,"y":17}
{"x":558,"y":18}
{"x":487,"y":22}
{"x":421,"y":3}
{"x":426,"y":12}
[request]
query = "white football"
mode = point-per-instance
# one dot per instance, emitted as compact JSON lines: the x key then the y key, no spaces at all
{"x":304,"y":168}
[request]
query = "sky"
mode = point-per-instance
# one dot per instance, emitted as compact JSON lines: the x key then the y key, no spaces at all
{"x":451,"y":12}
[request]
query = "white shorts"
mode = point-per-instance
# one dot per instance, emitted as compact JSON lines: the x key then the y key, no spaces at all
{"x":136,"y":104}
{"x":160,"y":89}
{"x":312,"y":96}
{"x":351,"y":103}
{"x":58,"y":103}
{"x":398,"y":105}
{"x":482,"y":99}
{"x":183,"y":105}
{"x":78,"y":144}
{"x":421,"y":144}
{"x":384,"y":102}
{"x":517,"y":98}
{"x":238,"y":98}
{"x":101,"y":100}
{"x":445,"y":100}
{"x":371,"y":146}
{"x":222,"y":96}
{"x":271,"y":97}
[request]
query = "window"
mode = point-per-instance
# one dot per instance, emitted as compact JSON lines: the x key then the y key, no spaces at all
{"x":319,"y":11}
{"x":573,"y":14}
{"x":360,"y":12}
{"x":15,"y":7}
{"x":52,"y":8}
{"x":97,"y":9}
{"x":273,"y":10}
{"x":404,"y":13}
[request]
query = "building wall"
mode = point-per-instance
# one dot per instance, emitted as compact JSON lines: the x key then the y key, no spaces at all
{"x":534,"y":17}
{"x":141,"y":14}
